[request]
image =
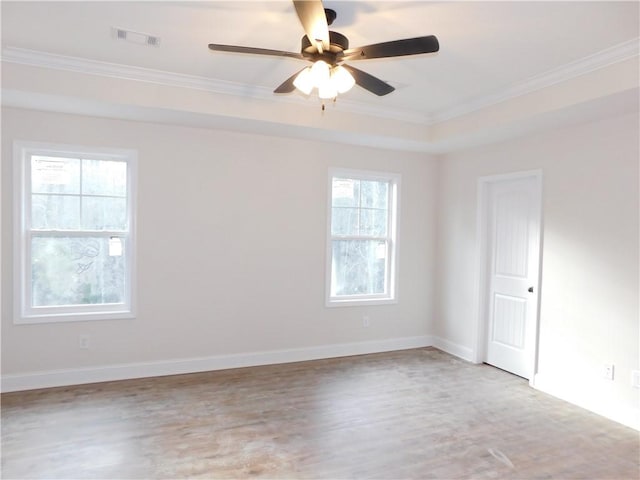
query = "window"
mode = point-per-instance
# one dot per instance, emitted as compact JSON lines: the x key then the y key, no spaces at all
{"x":362,"y":243}
{"x":74,"y":224}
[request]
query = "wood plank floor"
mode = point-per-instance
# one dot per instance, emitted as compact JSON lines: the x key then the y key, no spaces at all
{"x":411,"y":414}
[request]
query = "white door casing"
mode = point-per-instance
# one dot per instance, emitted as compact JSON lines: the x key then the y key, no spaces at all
{"x":510,"y":256}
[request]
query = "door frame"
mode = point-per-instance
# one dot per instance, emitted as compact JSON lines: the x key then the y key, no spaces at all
{"x":483,"y":257}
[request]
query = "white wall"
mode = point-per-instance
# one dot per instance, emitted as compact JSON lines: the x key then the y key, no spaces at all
{"x":589,"y":297}
{"x":231,"y":252}
{"x":231,"y":256}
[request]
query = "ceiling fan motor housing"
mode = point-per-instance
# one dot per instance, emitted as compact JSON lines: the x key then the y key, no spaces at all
{"x":338,"y":43}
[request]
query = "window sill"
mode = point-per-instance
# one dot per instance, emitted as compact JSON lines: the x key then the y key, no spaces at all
{"x":360,"y":302}
{"x":73,"y":317}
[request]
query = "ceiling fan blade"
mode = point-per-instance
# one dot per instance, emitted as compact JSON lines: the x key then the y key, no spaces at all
{"x":369,"y":82}
{"x":395,"y":48}
{"x":257,"y":51}
{"x":314,"y":21}
{"x":287,"y":86}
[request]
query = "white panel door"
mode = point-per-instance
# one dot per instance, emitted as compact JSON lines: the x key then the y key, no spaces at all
{"x":513,"y":242}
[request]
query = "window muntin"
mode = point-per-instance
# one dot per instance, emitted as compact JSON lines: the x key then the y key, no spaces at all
{"x":362,"y":237}
{"x":74,"y":233}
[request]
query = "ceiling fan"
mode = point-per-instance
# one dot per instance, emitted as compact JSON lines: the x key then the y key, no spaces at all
{"x":328,"y":50}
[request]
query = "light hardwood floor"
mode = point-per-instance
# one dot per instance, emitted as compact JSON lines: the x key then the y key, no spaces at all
{"x":411,"y":414}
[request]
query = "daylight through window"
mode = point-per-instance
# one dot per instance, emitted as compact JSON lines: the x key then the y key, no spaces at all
{"x":362,"y":243}
{"x":75,"y":240}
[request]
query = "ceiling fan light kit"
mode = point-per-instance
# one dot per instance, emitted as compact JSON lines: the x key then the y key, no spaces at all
{"x":330,"y":81}
{"x":328,"y":50}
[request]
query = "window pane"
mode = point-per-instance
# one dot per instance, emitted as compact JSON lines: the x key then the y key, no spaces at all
{"x":76,"y":271}
{"x":344,"y":221}
{"x":358,"y":267}
{"x":55,"y":212}
{"x":104,"y":213}
{"x":345,"y":192}
{"x":374,"y":194}
{"x":373,"y":222}
{"x":55,"y":175}
{"x":104,"y":177}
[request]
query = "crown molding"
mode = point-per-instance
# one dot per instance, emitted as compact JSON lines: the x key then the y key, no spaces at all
{"x":54,"y":61}
{"x":596,"y":61}
{"x":604,"y":58}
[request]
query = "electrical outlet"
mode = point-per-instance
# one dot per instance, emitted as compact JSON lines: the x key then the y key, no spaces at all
{"x":365,"y":321}
{"x":607,"y":371}
{"x":635,"y":378}
{"x":83,"y":342}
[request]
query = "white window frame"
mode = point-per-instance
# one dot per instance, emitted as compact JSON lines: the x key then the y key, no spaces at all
{"x":390,"y":296}
{"x":24,"y":312}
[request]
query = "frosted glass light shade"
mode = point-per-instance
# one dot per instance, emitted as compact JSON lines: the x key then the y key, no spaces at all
{"x":330,"y":81}
{"x":321,"y":73}
{"x":304,"y":81}
{"x":342,"y":80}
{"x":327,"y":90}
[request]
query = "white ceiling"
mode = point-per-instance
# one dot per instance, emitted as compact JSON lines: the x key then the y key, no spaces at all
{"x":485,"y":47}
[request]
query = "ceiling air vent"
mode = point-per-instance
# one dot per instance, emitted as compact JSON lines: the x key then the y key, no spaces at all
{"x":135,"y":37}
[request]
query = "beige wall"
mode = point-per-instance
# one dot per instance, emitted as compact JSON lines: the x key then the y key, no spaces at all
{"x":589,"y":296}
{"x":231,"y":247}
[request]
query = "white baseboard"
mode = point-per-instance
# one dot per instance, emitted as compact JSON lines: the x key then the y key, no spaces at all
{"x":454,"y":349}
{"x":77,"y":376}
{"x":564,"y":390}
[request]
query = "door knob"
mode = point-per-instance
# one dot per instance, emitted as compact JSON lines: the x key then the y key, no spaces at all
{"x":530,"y":290}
